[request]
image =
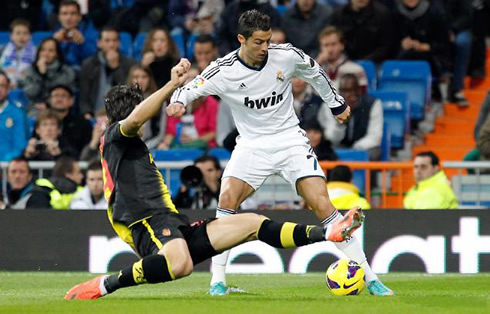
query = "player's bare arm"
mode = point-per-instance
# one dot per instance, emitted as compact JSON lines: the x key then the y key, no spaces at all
{"x":151,"y":105}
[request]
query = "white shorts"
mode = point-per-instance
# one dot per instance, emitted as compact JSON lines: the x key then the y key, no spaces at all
{"x":287,"y":154}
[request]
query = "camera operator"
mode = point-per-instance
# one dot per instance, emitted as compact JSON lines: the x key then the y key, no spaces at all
{"x":200,"y":184}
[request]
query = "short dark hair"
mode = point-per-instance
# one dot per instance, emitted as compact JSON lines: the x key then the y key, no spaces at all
{"x":121,"y":100}
{"x":205,"y":158}
{"x":21,"y":159}
{"x":18,"y":22}
{"x":3,"y":73}
{"x":434,"y":160}
{"x":340,"y":173}
{"x":62,"y":86}
{"x":109,"y":28}
{"x":67,"y":3}
{"x":64,"y":165}
{"x":94,"y":165}
{"x":251,"y":21}
{"x":204,"y":39}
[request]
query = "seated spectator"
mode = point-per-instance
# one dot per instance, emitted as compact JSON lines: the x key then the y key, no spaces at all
{"x":227,"y":26}
{"x":19,"y":52}
{"x":365,"y":127}
{"x":194,"y":17}
{"x":19,"y":184}
{"x":48,"y":70}
{"x":432,"y":189}
{"x":47,"y":144}
{"x":107,"y":68}
{"x":423,"y":35}
{"x":333,"y":59}
{"x":160,"y":54}
{"x":91,"y":151}
{"x":306,"y":102}
{"x":78,"y":38}
{"x":278,"y":36}
{"x":368,"y":29}
{"x":205,"y":51}
{"x":13,"y":124}
{"x":92,"y":194}
{"x":75,"y":129}
{"x":303,"y":22}
{"x":58,"y":191}
{"x":342,"y":192}
{"x":197,"y":127}
{"x":154,"y":129}
{"x":322,"y":147}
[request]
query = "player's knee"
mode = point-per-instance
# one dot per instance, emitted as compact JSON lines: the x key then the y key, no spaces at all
{"x":254,"y":221}
{"x":182,"y":268}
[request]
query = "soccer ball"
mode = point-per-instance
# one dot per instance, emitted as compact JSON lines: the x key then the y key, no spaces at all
{"x":345,"y":277}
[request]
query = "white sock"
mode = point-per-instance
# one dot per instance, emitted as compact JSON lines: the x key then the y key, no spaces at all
{"x":219,"y":261}
{"x":352,"y":249}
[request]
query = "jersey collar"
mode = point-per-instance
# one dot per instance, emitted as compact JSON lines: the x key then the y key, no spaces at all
{"x":251,"y":67}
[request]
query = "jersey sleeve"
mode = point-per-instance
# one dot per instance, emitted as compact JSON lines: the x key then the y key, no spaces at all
{"x":209,"y":82}
{"x":311,"y":72}
{"x":114,"y":133}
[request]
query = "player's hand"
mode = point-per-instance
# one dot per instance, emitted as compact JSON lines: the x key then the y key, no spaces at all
{"x":175,"y":110}
{"x":179,"y":72}
{"x":344,"y":116}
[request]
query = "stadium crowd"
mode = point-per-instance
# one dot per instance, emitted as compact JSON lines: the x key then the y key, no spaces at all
{"x":61,"y":57}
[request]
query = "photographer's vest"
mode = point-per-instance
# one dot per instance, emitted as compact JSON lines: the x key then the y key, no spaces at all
{"x":58,"y":200}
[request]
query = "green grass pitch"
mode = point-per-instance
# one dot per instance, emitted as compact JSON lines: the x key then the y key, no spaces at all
{"x":26,"y":292}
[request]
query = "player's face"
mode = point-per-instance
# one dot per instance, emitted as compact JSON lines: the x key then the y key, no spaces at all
{"x":4,"y":88}
{"x":423,"y":168}
{"x":18,"y":175}
{"x":255,"y":47}
{"x":204,"y":54}
{"x":141,"y":77}
{"x":159,"y":43}
{"x":20,"y":35}
{"x":60,"y":99}
{"x":332,"y":46}
{"x":94,"y":182}
{"x":69,"y":16}
{"x":108,"y":41}
{"x":48,"y":51}
{"x":48,"y":130}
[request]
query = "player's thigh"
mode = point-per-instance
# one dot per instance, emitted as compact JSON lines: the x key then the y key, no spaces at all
{"x":233,"y":192}
{"x":178,"y":257}
{"x":227,"y":232}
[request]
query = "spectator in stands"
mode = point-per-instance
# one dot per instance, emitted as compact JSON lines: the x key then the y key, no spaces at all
{"x":160,"y":54}
{"x":483,"y":141}
{"x":205,"y":51}
{"x":333,"y":59}
{"x":58,"y":191}
{"x":206,"y":193}
{"x":154,"y":129}
{"x":483,"y":114}
{"x":365,"y":128}
{"x":460,"y":13}
{"x":13,"y":124}
{"x":194,"y":17}
{"x":78,"y":38}
{"x":19,"y":179}
{"x":19,"y":53}
{"x":303,"y":22}
{"x":48,"y":69}
{"x":306,"y":102}
{"x":368,"y":30}
{"x":480,"y":31}
{"x":227,"y":26}
{"x":197,"y":127}
{"x":92,"y":194}
{"x":74,"y":129}
{"x":278,"y":36}
{"x":322,"y":147}
{"x":91,"y":150}
{"x":107,"y":68}
{"x":423,"y":35}
{"x":47,"y":144}
{"x":342,"y":192}
{"x":432,"y":189}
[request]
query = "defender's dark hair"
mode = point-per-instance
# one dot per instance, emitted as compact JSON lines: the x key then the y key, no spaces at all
{"x":434,"y":160}
{"x":340,"y":173}
{"x":205,"y":158}
{"x":64,"y":165}
{"x":67,"y":3}
{"x":205,"y":38}
{"x":251,"y":21}
{"x":121,"y":100}
{"x":94,"y":165}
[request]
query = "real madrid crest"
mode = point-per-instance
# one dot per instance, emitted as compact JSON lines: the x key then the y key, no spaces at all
{"x":279,"y":76}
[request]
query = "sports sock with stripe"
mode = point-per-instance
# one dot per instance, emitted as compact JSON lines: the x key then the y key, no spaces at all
{"x":288,"y":234}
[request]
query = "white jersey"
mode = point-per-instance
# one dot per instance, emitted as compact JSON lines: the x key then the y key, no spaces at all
{"x":261,"y":99}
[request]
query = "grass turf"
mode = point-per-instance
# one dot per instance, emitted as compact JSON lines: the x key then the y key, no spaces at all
{"x":22,"y":292}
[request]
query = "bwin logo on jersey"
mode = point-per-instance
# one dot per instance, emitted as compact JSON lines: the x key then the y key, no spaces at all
{"x":263,"y":102}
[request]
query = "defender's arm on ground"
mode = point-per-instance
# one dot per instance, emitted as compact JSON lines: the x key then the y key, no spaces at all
{"x":151,"y":105}
{"x":310,"y":71}
{"x":208,"y":83}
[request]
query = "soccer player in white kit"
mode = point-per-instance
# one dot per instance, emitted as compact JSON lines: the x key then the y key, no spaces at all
{"x":255,"y":80}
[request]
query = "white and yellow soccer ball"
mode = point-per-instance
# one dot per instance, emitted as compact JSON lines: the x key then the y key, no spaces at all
{"x":345,"y":277}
